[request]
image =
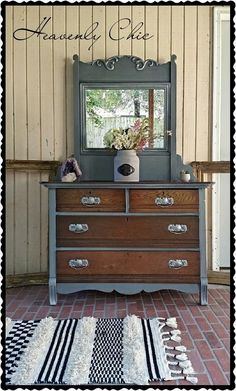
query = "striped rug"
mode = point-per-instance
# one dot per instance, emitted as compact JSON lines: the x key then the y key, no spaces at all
{"x":95,"y":351}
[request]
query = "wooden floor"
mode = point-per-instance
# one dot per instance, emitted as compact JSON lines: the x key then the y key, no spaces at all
{"x":205,"y":329}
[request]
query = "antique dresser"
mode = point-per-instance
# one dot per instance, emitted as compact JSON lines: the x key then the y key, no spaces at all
{"x":127,"y":236}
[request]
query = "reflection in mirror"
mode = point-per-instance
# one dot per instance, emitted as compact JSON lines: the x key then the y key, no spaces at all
{"x":109,"y":108}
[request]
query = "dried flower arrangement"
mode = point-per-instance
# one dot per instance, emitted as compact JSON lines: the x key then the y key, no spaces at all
{"x":136,"y":136}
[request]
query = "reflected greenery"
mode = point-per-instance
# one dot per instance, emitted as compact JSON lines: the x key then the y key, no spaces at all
{"x":119,"y":108}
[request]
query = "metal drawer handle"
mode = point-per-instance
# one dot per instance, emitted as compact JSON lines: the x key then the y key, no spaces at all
{"x":177,"y":263}
{"x":177,"y":228}
{"x":90,"y":201}
{"x":78,"y":263}
{"x":164,"y":201}
{"x":78,"y":228}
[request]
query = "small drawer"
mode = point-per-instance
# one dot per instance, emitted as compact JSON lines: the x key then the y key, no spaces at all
{"x":163,"y":200}
{"x":118,"y":265}
{"x":90,"y":200}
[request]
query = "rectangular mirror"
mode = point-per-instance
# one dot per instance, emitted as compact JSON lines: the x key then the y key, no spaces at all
{"x":109,"y":107}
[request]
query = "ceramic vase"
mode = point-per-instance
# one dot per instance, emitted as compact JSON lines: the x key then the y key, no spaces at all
{"x":126,"y":166}
{"x":185,"y":176}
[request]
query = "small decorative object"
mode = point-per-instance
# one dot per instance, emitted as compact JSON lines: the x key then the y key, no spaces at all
{"x":126,"y":142}
{"x":70,"y":177}
{"x":70,"y":170}
{"x":185,"y":176}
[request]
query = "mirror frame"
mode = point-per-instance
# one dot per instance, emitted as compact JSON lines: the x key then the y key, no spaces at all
{"x":155,"y":164}
{"x":105,"y":151}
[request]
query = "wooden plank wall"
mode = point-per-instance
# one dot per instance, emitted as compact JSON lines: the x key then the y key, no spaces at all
{"x":39,"y":97}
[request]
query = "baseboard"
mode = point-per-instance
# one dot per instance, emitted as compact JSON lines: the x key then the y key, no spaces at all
{"x":26,"y":279}
{"x":221,"y":278}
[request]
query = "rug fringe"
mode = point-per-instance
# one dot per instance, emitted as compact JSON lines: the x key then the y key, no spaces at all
{"x":179,"y":348}
{"x":170,"y":322}
{"x":77,"y":371}
{"x":134,"y":362}
{"x":184,"y":364}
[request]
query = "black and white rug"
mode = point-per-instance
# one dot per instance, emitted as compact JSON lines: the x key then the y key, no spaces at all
{"x":95,"y":351}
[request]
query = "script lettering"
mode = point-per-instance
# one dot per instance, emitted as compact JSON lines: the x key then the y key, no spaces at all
{"x":23,"y":34}
{"x":117,"y":32}
{"x":122,"y":24}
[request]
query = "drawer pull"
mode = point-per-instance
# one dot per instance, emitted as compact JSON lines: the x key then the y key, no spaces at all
{"x":90,"y":201}
{"x":177,"y":228}
{"x":164,"y":201}
{"x":78,"y":228}
{"x":177,"y":263}
{"x":78,"y":263}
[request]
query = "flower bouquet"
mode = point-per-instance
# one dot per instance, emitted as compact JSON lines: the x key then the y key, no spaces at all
{"x":135,"y":137}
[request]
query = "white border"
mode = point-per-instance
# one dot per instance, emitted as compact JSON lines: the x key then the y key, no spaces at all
{"x":221,"y":14}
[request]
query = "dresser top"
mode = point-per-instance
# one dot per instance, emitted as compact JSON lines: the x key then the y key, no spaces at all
{"x":127,"y":185}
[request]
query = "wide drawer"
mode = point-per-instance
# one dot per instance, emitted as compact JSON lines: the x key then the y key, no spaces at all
{"x":163,"y":200}
{"x":90,"y":200}
{"x":135,"y":231}
{"x":133,"y":265}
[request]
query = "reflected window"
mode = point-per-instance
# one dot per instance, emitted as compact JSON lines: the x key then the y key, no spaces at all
{"x":119,"y":108}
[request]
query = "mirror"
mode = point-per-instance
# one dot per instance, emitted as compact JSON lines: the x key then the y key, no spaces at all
{"x":113,"y":93}
{"x":114,"y":107}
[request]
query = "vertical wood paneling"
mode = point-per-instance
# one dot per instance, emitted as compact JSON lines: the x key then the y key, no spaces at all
{"x":138,"y":18}
{"x":189,"y":87}
{"x":85,"y":20}
{"x":10,"y":136}
{"x":39,"y":96}
{"x":59,"y":84}
{"x":10,"y":223}
{"x":99,"y":48}
{"x":20,"y":89}
{"x":72,"y":47}
{"x":124,"y":43}
{"x":21,"y":222}
{"x":111,"y":19}
{"x":33,"y":224}
{"x":177,"y":48}
{"x":46,"y":86}
{"x":151,"y":27}
{"x":164,"y":33}
{"x":47,"y":73}
{"x":33,"y":88}
{"x":203,"y":86}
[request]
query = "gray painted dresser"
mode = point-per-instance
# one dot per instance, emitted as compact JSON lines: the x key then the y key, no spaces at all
{"x":127,"y":237}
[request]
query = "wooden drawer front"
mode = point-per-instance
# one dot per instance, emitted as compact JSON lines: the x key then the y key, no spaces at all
{"x":132,"y":231}
{"x":122,"y":265}
{"x":90,"y":200}
{"x":163,"y":200}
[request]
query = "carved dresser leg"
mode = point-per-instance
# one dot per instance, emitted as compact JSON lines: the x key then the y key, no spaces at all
{"x":52,"y":291}
{"x":203,"y":292}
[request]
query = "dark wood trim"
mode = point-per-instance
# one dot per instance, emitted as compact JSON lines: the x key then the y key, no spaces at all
{"x":26,"y":279}
{"x":32,"y":165}
{"x":222,"y":278}
{"x":205,"y":167}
